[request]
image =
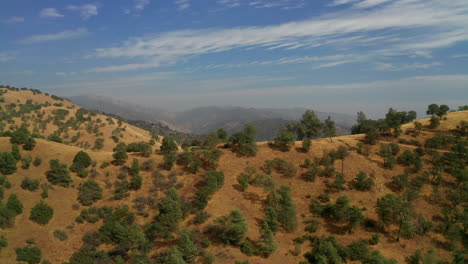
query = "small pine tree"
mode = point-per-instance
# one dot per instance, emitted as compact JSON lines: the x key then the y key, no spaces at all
{"x":14,"y":204}
{"x":7,"y":163}
{"x":186,"y":246}
{"x":168,"y":145}
{"x":285,"y":139}
{"x":339,"y":182}
{"x":58,"y":174}
{"x":15,"y":152}
{"x":306,"y":144}
{"x":329,"y":128}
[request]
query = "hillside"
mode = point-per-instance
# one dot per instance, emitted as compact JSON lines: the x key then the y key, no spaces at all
{"x":188,"y":195}
{"x":47,"y":115}
{"x":204,"y":120}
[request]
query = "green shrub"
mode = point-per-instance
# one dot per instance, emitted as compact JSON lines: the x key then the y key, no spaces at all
{"x":26,"y":162}
{"x":168,"y":145}
{"x":7,"y":216}
{"x":37,"y":162}
{"x":60,"y":235}
{"x":89,"y":192}
{"x":104,"y":165}
{"x":41,"y":213}
{"x":14,"y":204}
{"x":230,"y":229}
{"x":362,"y":182}
{"x":58,"y":174}
{"x":29,"y":254}
{"x":7,"y":163}
{"x":80,"y":161}
{"x":306,"y":145}
{"x":284,"y":140}
{"x":30,"y":185}
{"x":280,"y":166}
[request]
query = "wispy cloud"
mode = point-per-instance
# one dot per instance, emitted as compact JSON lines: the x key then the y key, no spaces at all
{"x":342,"y":2}
{"x":319,"y":61}
{"x":50,"y":13}
{"x":14,"y":19}
{"x":370,"y":3}
{"x":182,"y":4}
{"x":7,"y":56}
{"x":229,"y":3}
{"x":283,"y":4}
{"x":86,"y":11}
{"x":422,"y":25}
{"x":141,"y":4}
{"x":67,"y":34}
{"x":457,"y":56}
{"x":405,"y":67}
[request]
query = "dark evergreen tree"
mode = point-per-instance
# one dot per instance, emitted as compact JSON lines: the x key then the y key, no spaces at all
{"x":7,"y":163}
{"x":14,"y":204}
{"x":329,"y":128}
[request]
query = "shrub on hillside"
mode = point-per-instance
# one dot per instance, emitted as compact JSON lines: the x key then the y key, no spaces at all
{"x":80,"y":161}
{"x":244,"y":142}
{"x":37,"y":162}
{"x":281,"y":166}
{"x":362,"y":182}
{"x":58,"y":173}
{"x":89,"y":192}
{"x":229,"y":229}
{"x":7,"y":163}
{"x":30,"y":185}
{"x":168,"y":145}
{"x":29,"y":254}
{"x":41,"y":213}
{"x":14,"y":204}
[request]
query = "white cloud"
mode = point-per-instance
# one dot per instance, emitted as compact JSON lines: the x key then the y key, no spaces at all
{"x":422,"y":25}
{"x":67,"y":34}
{"x":457,"y":56}
{"x":229,"y":3}
{"x":7,"y":56}
{"x":86,"y":11}
{"x":370,"y":3}
{"x":182,"y":4}
{"x":406,"y":67}
{"x":283,"y":4}
{"x":141,"y":4}
{"x":341,"y":2}
{"x":14,"y":19}
{"x":50,"y":13}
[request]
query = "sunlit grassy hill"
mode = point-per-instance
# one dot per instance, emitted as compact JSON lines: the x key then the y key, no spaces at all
{"x":170,"y":191}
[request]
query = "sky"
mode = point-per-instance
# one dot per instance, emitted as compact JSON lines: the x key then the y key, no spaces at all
{"x":336,"y":55}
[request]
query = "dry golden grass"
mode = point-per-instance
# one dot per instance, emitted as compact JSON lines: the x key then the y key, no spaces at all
{"x":130,"y":134}
{"x":250,"y":203}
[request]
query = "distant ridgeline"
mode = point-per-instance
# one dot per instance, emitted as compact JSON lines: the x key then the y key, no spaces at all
{"x":158,"y":129}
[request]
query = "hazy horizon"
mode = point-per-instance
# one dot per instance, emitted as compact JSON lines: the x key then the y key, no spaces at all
{"x":334,"y":56}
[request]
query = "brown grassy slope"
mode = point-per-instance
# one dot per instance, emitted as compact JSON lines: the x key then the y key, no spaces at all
{"x":250,"y":203}
{"x":62,"y":199}
{"x":130,"y":134}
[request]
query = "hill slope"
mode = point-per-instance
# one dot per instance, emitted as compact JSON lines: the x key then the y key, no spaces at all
{"x":149,"y":201}
{"x":50,"y":115}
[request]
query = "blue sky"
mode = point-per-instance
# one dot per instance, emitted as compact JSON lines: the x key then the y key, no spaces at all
{"x":336,"y":55}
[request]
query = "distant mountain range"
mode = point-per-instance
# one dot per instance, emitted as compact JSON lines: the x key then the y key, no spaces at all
{"x":203,"y":120}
